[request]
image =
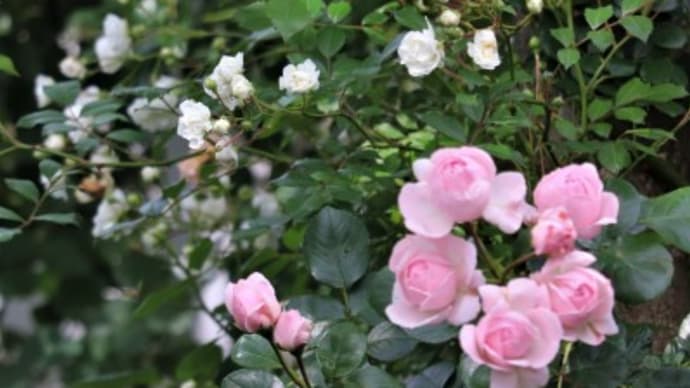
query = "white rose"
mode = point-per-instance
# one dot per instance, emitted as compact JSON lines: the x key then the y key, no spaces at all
{"x":301,"y":78}
{"x":230,"y":85}
{"x":109,"y":211}
{"x":535,"y":6}
{"x":420,"y":52}
{"x":72,"y":67}
{"x":194,"y":123}
{"x":42,"y":100}
{"x":150,"y":174}
{"x":114,"y":45}
{"x":55,"y":142}
{"x":449,"y":18}
{"x":157,"y":114}
{"x":484,"y":49}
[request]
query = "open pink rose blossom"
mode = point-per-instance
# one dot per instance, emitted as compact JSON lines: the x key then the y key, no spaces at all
{"x":435,"y":280}
{"x":459,"y":185}
{"x":517,"y":337}
{"x":252,"y":303}
{"x":554,"y":232}
{"x":579,"y":190}
{"x":581,"y":297}
{"x":292,"y":330}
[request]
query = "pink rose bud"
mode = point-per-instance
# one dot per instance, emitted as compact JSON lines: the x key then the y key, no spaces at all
{"x":580,"y":296}
{"x":292,"y":330}
{"x":435,"y":281}
{"x":517,"y":337}
{"x":252,"y":303}
{"x":554,"y":234}
{"x":579,"y":190}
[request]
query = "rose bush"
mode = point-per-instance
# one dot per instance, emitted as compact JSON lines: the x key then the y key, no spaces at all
{"x":347,"y":194}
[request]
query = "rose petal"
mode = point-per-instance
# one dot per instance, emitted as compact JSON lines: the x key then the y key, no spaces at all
{"x":421,"y":214}
{"x":421,"y":169}
{"x":466,"y":308}
{"x":506,"y":208}
{"x":609,"y":209}
{"x":520,"y":378}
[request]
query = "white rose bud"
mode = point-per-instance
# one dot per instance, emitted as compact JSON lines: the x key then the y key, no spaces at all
{"x":72,"y":67}
{"x":535,"y":6}
{"x":449,"y":18}
{"x":299,"y":79}
{"x":420,"y":52}
{"x":114,"y":45}
{"x":55,"y":142}
{"x":150,"y":174}
{"x":484,"y":49}
{"x":42,"y":100}
{"x":241,"y":87}
{"x":221,"y":125}
{"x":194,"y":123}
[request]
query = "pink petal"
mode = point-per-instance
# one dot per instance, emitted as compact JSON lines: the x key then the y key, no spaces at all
{"x":492,"y":296}
{"x":421,"y":214}
{"x":468,"y":343}
{"x":466,"y":308}
{"x":609,"y":209}
{"x":520,"y":378}
{"x":404,"y":315}
{"x":550,"y":331}
{"x":506,"y":208}
{"x":422,"y":168}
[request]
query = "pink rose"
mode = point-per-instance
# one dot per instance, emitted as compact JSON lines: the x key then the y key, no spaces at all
{"x":292,"y":330}
{"x":580,"y":296}
{"x":252,"y":303}
{"x":554,"y":233}
{"x":517,"y":337}
{"x":435,"y":281}
{"x":579,"y":190}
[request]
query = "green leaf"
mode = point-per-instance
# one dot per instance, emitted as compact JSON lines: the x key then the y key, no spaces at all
{"x":564,"y":35}
{"x":7,"y":66}
{"x":59,"y":218}
{"x":128,"y":136}
{"x":201,"y":363}
{"x":331,"y":40}
{"x":288,"y":17}
{"x":638,"y":26}
{"x":157,"y":298}
{"x":630,"y":203}
{"x":49,"y":168}
{"x":409,"y":17}
{"x":639,"y":267}
{"x":601,"y":39}
{"x":99,"y":107}
{"x":200,"y":253}
{"x":568,"y":57}
{"x":340,"y":349}
{"x":595,"y":17}
{"x":318,"y":308}
{"x":41,"y":117}
{"x":651,"y":133}
{"x":336,"y":245}
{"x":7,"y":234}
{"x":567,"y":129}
{"x":23,"y":187}
{"x":389,"y":343}
{"x":445,"y":124}
{"x":315,"y":7}
{"x":670,"y":36}
{"x":632,"y":91}
{"x":629,"y":6}
{"x":598,"y":108}
{"x":435,"y":376}
{"x":63,"y":93}
{"x":247,"y":378}
{"x":338,"y":10}
{"x":669,"y":215}
{"x":10,"y":215}
{"x":665,"y":92}
{"x":371,"y":377}
{"x":121,"y":379}
{"x":105,"y":118}
{"x":632,"y":114}
{"x":614,"y":156}
{"x":254,"y":351}
{"x":433,"y":334}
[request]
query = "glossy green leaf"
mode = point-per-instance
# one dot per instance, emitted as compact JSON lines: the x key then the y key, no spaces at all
{"x":433,"y":334}
{"x":388,"y":343}
{"x":340,"y":349}
{"x":435,"y":376}
{"x":254,"y":351}
{"x":23,"y":187}
{"x":598,"y":108}
{"x":336,"y":245}
{"x":288,"y":17}
{"x":669,"y":215}
{"x":41,"y":117}
{"x":601,"y":39}
{"x":630,"y":203}
{"x":202,"y":363}
{"x":59,"y":218}
{"x":156,"y":299}
{"x":564,"y":36}
{"x":63,"y":93}
{"x":7,"y":234}
{"x":633,"y":114}
{"x":448,"y":125}
{"x":568,"y":57}
{"x":370,"y":376}
{"x":638,"y":26}
{"x":248,"y":378}
{"x":629,"y":6}
{"x":411,"y":18}
{"x":200,"y":253}
{"x":338,"y":10}
{"x":9,"y":215}
{"x":595,"y":17}
{"x":120,"y":379}
{"x":319,"y":308}
{"x":331,"y":40}
{"x":7,"y":66}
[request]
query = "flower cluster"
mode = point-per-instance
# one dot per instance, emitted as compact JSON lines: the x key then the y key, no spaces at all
{"x":253,"y":305}
{"x":523,"y":322}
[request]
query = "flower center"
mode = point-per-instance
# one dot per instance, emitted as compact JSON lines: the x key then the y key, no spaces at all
{"x":429,"y":282}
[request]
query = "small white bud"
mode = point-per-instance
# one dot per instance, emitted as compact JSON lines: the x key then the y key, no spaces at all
{"x":449,"y":18}
{"x":150,"y":174}
{"x":72,"y":67}
{"x":221,"y":125}
{"x":55,"y":142}
{"x":535,"y":6}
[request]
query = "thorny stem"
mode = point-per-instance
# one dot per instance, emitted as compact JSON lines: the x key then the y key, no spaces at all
{"x":494,"y":266}
{"x":293,"y":376}
{"x":302,"y":369}
{"x":520,"y":260}
{"x":564,"y":364}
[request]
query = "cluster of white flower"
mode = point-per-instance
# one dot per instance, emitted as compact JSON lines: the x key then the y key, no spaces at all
{"x":159,"y":113}
{"x":82,"y":124}
{"x":114,"y":45}
{"x":299,"y":79}
{"x":194,"y":123}
{"x":227,"y":82}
